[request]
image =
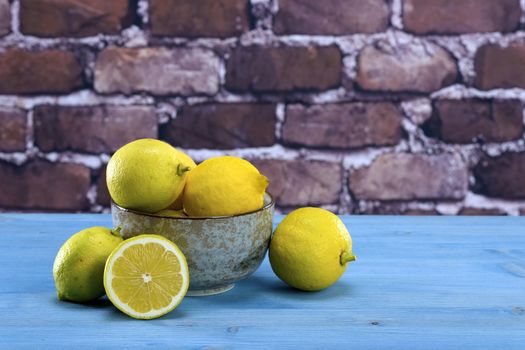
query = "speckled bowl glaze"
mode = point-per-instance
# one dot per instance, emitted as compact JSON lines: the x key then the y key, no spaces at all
{"x":220,"y":250}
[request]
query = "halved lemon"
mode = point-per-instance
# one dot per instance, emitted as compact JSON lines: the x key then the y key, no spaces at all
{"x":146,"y":276}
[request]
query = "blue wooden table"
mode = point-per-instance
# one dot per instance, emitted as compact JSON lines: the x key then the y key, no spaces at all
{"x":419,"y":283}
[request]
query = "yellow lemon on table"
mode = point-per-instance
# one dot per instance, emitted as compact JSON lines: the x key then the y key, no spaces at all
{"x":224,"y":186}
{"x":310,"y":249}
{"x":146,"y":276}
{"x":79,"y":265}
{"x":188,"y":164}
{"x":146,"y":175}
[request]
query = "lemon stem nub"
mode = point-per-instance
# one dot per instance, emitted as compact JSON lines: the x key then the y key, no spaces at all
{"x":181,"y":170}
{"x":116,"y":232}
{"x":346,"y":257}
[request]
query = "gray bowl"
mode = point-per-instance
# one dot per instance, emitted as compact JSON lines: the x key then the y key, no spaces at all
{"x":220,"y":250}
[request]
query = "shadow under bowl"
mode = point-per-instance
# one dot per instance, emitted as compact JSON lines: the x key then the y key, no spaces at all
{"x":220,"y":250}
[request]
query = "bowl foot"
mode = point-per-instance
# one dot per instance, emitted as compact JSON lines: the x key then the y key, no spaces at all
{"x":209,"y":291}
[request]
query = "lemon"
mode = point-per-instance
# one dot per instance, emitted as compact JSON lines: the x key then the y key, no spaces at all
{"x":146,"y":175}
{"x":310,"y":249}
{"x":224,"y":186}
{"x":146,"y":276}
{"x":79,"y":265}
{"x":188,"y":164}
{"x":172,"y":213}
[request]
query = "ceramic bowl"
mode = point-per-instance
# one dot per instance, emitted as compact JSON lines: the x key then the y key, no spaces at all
{"x":220,"y":250}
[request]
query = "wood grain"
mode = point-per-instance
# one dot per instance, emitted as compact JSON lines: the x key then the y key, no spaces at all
{"x":419,"y":283}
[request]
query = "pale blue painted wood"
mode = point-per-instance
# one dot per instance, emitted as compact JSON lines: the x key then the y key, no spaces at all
{"x":419,"y":283}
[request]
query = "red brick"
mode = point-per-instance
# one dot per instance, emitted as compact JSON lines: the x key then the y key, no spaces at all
{"x":302,"y":182}
{"x":40,"y":185}
{"x":460,"y":17}
{"x":72,"y":18}
{"x":466,"y":121}
{"x":157,"y":70}
{"x":408,"y":67}
{"x":420,"y":212}
{"x":13,"y":129}
{"x":199,"y":18}
{"x":411,"y":177}
{"x":501,"y":176}
{"x":223,"y":126}
{"x":95,"y":129}
{"x":49,"y":72}
{"x":347,"y":125}
{"x":5,"y":17}
{"x":386,"y":208}
{"x":331,"y":17}
{"x":500,"y":67}
{"x":481,"y":212}
{"x":282,"y":68}
{"x":103,"y":196}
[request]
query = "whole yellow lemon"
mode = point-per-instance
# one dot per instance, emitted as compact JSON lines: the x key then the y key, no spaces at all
{"x":310,"y":249}
{"x":223,"y":186}
{"x":78,"y":270}
{"x":146,"y":175}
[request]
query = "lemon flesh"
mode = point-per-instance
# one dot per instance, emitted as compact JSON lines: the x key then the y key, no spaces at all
{"x":146,"y":276}
{"x":223,"y":186}
{"x":310,"y":249}
{"x":188,"y":164}
{"x":78,"y":269}
{"x":146,"y":175}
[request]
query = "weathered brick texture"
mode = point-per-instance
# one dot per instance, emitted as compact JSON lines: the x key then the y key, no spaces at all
{"x":460,"y":17}
{"x":73,"y":18}
{"x":159,"y":71}
{"x":395,"y":208}
{"x":223,"y":126}
{"x":40,"y":185}
{"x":500,"y":67}
{"x":199,"y":18}
{"x":5,"y":17}
{"x":481,"y":212}
{"x":466,"y":121}
{"x":331,"y":17}
{"x":501,"y":176}
{"x":283,"y":68}
{"x":411,"y":177}
{"x":44,"y":72}
{"x":412,"y":107}
{"x":414,"y":67}
{"x":103,"y":129}
{"x":346,"y":125}
{"x":13,"y":129}
{"x":302,"y":182}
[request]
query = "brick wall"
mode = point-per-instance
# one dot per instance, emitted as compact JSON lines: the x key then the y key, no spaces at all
{"x":361,"y":106}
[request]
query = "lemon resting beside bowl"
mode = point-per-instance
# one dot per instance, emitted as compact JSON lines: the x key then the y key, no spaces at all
{"x":310,"y":249}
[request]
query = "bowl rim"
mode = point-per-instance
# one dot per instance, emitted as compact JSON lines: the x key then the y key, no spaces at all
{"x":266,"y":206}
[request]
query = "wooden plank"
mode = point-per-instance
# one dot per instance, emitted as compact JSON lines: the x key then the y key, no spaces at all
{"x":419,"y":283}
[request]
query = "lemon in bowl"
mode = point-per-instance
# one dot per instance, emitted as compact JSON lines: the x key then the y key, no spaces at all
{"x":222,"y":186}
{"x":147,"y":175}
{"x":225,"y":226}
